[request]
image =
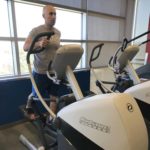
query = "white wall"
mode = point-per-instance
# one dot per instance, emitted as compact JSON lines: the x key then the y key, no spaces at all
{"x":108,"y":22}
{"x":105,"y":28}
{"x":141,"y":26}
{"x":113,"y":7}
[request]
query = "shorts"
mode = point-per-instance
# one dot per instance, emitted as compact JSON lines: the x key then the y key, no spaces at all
{"x":45,"y":86}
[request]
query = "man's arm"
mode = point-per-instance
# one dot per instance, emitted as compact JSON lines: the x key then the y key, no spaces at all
{"x":40,"y":44}
{"x":27,"y":44}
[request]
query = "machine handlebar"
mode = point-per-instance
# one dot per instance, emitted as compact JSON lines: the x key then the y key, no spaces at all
{"x":36,"y":38}
{"x":92,"y":58}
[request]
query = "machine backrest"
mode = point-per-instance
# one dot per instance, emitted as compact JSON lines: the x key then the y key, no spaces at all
{"x":66,"y":55}
{"x":128,"y":54}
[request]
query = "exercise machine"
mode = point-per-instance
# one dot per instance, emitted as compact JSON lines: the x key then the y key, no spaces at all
{"x":128,"y":76}
{"x":127,"y":79}
{"x":96,"y":122}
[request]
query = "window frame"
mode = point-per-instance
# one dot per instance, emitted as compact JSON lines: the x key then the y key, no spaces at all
{"x":14,"y":39}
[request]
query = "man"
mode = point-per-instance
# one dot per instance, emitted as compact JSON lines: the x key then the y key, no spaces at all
{"x":41,"y":60}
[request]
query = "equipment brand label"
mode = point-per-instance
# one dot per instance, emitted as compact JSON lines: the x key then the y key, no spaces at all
{"x":130,"y":107}
{"x":92,"y":124}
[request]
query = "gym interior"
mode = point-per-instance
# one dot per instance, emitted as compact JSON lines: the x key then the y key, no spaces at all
{"x":107,"y":26}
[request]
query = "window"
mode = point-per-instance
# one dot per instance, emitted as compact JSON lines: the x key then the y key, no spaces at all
{"x":6,"y":65}
{"x":26,"y":18}
{"x":24,"y":24}
{"x":22,"y":58}
{"x":69,"y":23}
{"x":141,"y":24}
{"x":4,"y":29}
{"x":20,"y":17}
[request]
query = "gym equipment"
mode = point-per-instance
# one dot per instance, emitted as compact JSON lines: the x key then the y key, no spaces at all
{"x":119,"y":62}
{"x":99,"y":83}
{"x":144,"y":71}
{"x":28,"y":144}
{"x":98,"y":122}
{"x":127,"y":79}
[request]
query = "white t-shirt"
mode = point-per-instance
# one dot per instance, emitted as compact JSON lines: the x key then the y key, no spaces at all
{"x":42,"y":59}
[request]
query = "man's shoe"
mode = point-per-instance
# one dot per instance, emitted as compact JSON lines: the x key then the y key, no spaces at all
{"x":29,"y":113}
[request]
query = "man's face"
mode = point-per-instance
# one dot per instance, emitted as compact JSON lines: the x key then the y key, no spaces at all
{"x":50,"y":16}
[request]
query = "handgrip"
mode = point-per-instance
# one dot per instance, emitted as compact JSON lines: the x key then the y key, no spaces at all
{"x":36,"y":38}
{"x":92,"y":58}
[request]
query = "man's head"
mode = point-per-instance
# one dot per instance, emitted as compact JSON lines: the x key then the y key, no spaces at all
{"x":49,"y":15}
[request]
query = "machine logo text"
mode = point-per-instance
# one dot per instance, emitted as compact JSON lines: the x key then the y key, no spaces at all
{"x":92,"y":124}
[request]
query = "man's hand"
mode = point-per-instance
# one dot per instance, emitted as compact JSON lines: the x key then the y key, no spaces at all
{"x":43,"y":43}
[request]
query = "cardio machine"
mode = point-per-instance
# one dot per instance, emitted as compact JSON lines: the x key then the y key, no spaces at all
{"x":138,"y":88}
{"x":127,"y":78}
{"x":97,"y":122}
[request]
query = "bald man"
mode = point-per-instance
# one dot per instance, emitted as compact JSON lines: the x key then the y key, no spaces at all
{"x":41,"y":60}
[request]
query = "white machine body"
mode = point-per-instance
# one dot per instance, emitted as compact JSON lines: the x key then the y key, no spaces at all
{"x":112,"y":121}
{"x":140,"y":91}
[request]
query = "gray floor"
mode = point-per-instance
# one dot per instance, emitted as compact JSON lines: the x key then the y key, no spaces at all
{"x":9,"y":137}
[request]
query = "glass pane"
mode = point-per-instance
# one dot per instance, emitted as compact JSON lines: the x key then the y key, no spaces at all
{"x":6,"y":65}
{"x":4,"y":29}
{"x":22,"y":58}
{"x":27,"y":17}
{"x":69,"y":23}
{"x":25,"y":21}
{"x":141,"y":25}
{"x":142,"y":19}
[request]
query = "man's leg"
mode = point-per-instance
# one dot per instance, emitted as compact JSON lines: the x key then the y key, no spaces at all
{"x":30,"y":113}
{"x":53,"y":104}
{"x":38,"y":80}
{"x":53,"y":107}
